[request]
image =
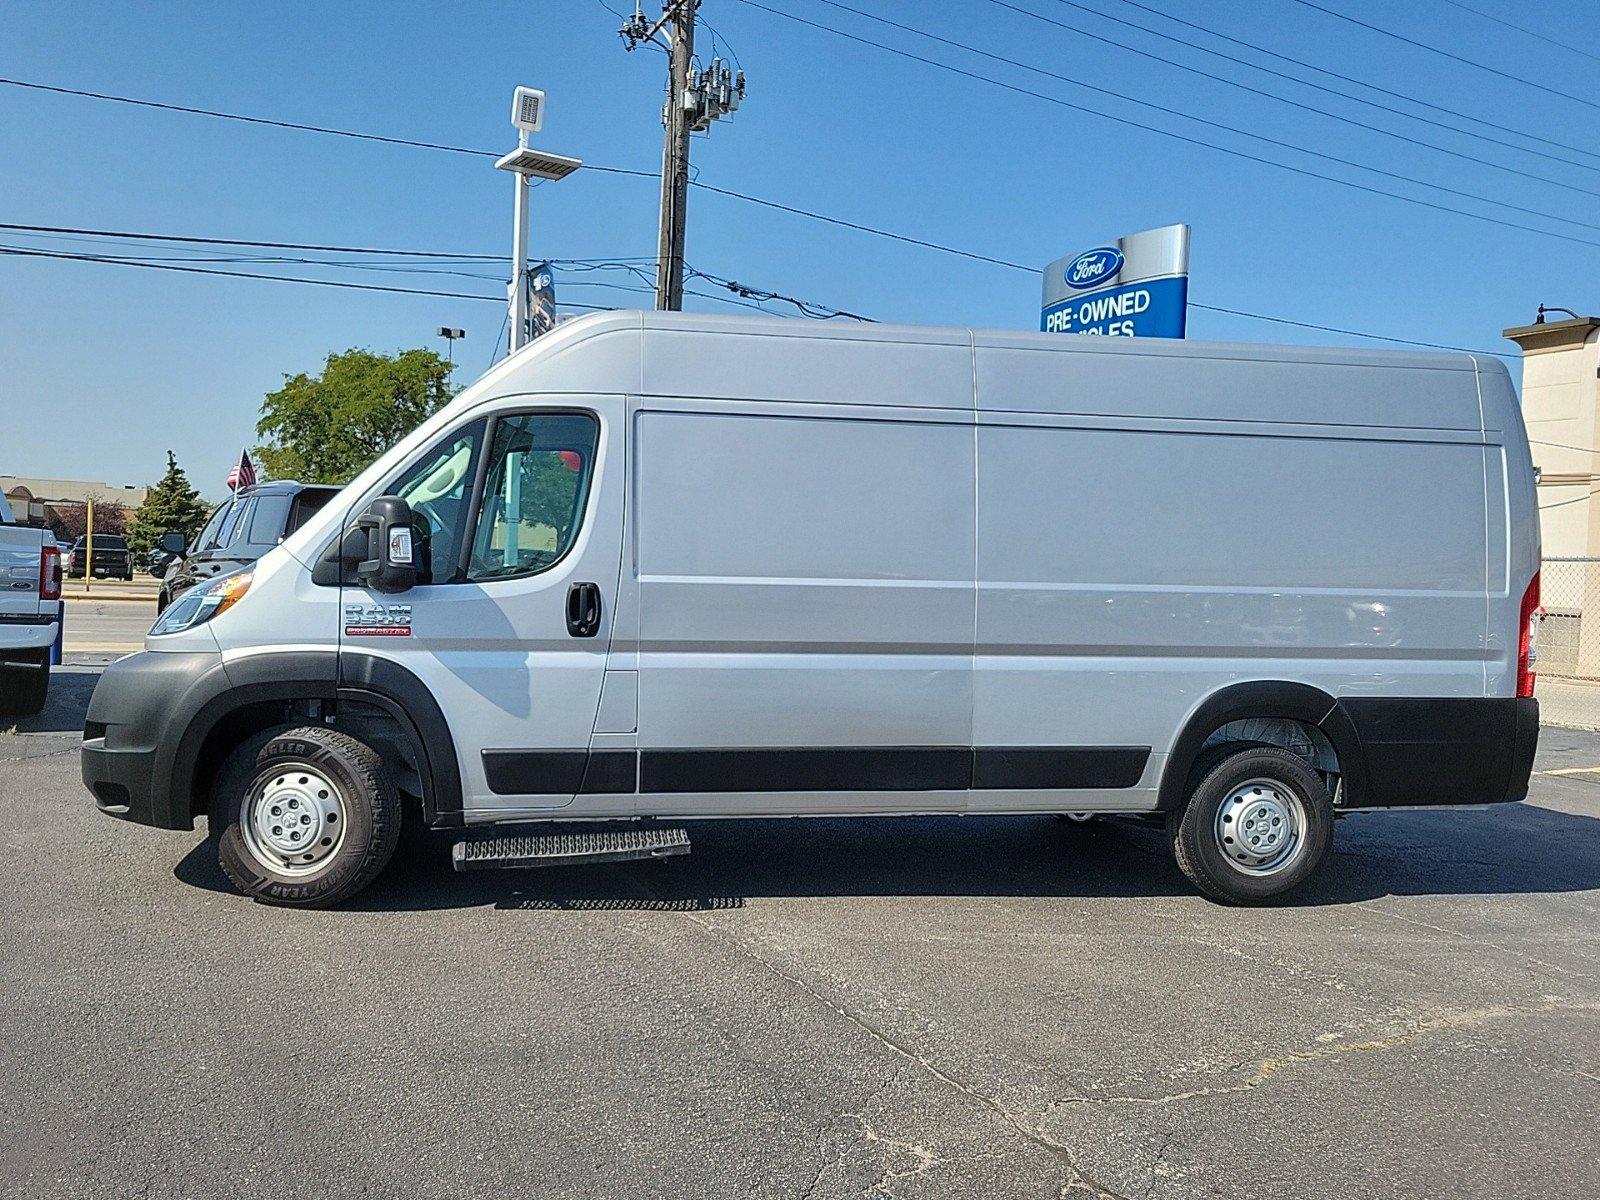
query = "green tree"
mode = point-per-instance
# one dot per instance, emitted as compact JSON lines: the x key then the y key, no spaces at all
{"x":326,"y":428}
{"x":171,"y":505}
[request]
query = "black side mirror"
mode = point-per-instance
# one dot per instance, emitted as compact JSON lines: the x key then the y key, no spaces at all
{"x":172,"y":543}
{"x":392,"y":546}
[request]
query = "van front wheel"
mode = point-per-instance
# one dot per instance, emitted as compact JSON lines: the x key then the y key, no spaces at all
{"x":1257,"y":823}
{"x":305,"y":817}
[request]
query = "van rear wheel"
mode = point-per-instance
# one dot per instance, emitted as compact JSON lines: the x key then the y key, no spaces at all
{"x":1257,"y":824}
{"x":305,"y":817}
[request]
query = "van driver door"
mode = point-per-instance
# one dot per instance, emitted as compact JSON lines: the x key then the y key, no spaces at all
{"x":520,"y":513}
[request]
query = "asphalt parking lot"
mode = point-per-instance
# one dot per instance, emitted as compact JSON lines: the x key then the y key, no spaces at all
{"x":944,"y":1007}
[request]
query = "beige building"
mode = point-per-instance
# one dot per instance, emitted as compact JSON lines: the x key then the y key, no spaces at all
{"x":21,"y":490}
{"x":1561,"y":408}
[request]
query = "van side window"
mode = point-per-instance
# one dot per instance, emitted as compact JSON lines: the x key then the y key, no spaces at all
{"x":533,"y":494}
{"x":439,"y":489}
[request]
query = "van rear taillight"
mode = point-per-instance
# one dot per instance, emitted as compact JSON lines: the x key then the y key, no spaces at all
{"x":1525,"y":654}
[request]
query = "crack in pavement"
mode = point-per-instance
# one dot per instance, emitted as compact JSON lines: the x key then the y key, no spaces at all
{"x":73,"y":749}
{"x":1081,"y":1180}
{"x":1268,"y":1067}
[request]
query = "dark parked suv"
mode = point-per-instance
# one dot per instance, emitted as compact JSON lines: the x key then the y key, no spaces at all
{"x":112,"y":559}
{"x":239,"y":532}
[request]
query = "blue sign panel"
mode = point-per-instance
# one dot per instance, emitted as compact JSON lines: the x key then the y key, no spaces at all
{"x":1152,"y":309}
{"x":1136,"y":286}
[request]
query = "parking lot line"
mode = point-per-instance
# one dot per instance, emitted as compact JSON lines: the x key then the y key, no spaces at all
{"x":1570,"y":771}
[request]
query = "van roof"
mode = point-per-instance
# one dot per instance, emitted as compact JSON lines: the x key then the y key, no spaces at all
{"x":781,"y":359}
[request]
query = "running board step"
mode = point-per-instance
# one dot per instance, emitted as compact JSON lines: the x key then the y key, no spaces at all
{"x":513,"y":850}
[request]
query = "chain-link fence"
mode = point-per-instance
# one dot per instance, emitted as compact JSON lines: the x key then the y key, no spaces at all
{"x":1567,"y":640}
{"x":1568,"y":637}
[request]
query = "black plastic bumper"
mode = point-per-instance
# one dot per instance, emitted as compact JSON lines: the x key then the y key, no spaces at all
{"x":1444,"y":751}
{"x":137,"y":717}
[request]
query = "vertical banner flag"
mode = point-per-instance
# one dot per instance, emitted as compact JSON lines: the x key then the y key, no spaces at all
{"x":541,"y":300}
{"x":1137,"y":286}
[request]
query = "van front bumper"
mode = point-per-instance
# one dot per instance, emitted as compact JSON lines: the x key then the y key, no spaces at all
{"x":136,"y":720}
{"x":120,"y":781}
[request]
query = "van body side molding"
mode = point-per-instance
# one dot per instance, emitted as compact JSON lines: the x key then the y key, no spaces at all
{"x":814,"y":769}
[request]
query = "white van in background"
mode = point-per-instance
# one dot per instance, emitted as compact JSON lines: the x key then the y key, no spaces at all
{"x":661,"y":566}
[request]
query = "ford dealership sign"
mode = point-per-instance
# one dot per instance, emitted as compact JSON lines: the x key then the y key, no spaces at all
{"x":1093,"y":267}
{"x":1136,"y":288}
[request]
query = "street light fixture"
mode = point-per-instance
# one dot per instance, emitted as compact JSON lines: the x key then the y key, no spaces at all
{"x":451,"y":337}
{"x":527,"y":115}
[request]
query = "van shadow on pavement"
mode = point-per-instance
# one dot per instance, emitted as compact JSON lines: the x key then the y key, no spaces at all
{"x":1500,"y":849}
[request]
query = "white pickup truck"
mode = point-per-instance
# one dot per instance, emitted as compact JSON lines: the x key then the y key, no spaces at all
{"x":30,"y":613}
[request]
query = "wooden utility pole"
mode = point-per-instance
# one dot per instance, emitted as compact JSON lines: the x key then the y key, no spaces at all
{"x":675,"y":160}
{"x":694,"y":100}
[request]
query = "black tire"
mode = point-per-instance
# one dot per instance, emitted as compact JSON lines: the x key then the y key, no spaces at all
{"x":23,"y":691}
{"x":161,"y":602}
{"x":362,"y":790}
{"x":1197,"y":842}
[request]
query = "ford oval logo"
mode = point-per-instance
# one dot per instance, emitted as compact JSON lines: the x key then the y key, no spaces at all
{"x":1093,"y":267}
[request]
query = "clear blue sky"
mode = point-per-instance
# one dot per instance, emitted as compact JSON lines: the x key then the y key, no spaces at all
{"x":104,"y":367}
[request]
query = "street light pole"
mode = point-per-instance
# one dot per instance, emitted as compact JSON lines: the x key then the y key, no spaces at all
{"x":527,"y":114}
{"x":519,"y":265}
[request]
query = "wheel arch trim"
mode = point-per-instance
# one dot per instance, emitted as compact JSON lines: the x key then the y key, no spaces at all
{"x":316,"y":675}
{"x":1265,"y":698}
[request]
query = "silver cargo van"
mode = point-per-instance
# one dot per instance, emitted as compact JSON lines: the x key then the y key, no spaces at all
{"x":661,"y":566}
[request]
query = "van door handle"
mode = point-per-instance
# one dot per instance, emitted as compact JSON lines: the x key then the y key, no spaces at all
{"x":583,"y":610}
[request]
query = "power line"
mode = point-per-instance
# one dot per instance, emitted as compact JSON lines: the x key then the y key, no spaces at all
{"x":760,"y":296}
{"x":219,"y":241}
{"x":1409,"y":99}
{"x":1310,"y":174}
{"x":227,"y":116}
{"x":859,"y":227}
{"x":29,"y":252}
{"x":1400,"y":37}
{"x":1377,"y":337}
{"x":1378,"y":129}
{"x":294,"y":125}
{"x":744,"y":197}
{"x":1478,"y":12}
{"x":1181,"y":115}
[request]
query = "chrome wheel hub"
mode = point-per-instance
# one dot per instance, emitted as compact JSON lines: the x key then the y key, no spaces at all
{"x":293,"y":819}
{"x":1261,"y":827}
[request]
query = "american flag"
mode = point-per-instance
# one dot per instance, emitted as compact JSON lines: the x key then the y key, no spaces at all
{"x":244,"y":475}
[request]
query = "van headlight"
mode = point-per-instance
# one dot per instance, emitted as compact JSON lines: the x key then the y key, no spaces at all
{"x":199,"y":604}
